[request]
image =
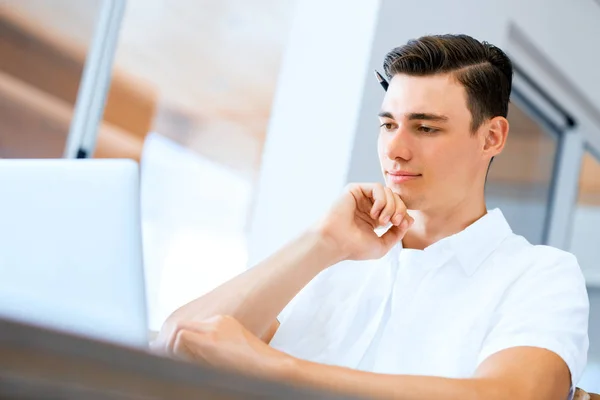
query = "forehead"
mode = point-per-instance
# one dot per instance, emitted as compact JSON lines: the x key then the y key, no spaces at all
{"x":437,"y":94}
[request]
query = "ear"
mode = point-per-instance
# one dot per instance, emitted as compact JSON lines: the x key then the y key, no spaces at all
{"x":495,"y":136}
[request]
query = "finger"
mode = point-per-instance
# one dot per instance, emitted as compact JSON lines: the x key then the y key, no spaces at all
{"x":170,"y":348}
{"x":391,"y":237}
{"x":394,"y":235}
{"x":406,"y":223}
{"x":363,"y":203}
{"x":377,"y":193}
{"x":157,"y":346}
{"x":400,"y":210}
{"x":181,"y":345}
{"x":190,"y":326}
{"x":190,"y":345}
{"x":390,"y":207}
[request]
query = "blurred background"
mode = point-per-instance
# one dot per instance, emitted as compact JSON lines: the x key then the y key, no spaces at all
{"x":238,"y":110}
{"x":190,"y":98}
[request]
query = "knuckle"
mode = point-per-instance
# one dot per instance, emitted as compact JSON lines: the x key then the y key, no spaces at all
{"x":180,"y":341}
{"x":222,"y":321}
{"x":176,"y":328}
{"x":225,"y":319}
{"x":183,"y":335}
{"x":211,"y":337}
{"x":219,"y":319}
{"x":350,"y":187}
{"x":354,"y":188}
{"x":218,"y":324}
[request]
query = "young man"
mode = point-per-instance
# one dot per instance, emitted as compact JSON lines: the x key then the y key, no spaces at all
{"x":448,"y":303}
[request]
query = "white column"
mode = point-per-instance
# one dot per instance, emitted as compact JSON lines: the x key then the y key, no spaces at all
{"x":565,"y":190}
{"x":314,"y":119}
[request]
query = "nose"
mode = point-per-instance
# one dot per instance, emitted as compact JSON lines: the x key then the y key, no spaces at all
{"x":397,"y":145}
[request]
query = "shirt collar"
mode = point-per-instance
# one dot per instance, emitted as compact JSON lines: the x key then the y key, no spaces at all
{"x":476,"y":242}
{"x":472,"y":245}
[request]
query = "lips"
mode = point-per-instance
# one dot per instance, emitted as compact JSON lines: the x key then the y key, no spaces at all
{"x":401,"y":176}
{"x":402,"y":173}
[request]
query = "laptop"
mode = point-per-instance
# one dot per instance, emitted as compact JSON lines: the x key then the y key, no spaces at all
{"x":71,"y":248}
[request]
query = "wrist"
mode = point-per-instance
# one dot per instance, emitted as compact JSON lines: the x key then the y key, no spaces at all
{"x":287,"y":368}
{"x":324,"y":248}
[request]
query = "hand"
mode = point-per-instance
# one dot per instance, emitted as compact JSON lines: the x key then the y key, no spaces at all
{"x":351,"y":223}
{"x":223,"y":342}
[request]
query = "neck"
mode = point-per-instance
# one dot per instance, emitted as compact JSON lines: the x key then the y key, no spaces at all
{"x":431,"y":226}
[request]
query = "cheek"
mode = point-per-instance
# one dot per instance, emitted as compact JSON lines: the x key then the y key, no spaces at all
{"x":447,"y":162}
{"x":437,"y":157}
{"x":381,"y":148}
{"x":463,"y":163}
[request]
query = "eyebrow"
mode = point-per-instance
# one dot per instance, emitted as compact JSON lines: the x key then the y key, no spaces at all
{"x":417,"y":116}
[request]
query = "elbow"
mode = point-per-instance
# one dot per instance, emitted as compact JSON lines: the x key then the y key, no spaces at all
{"x":495,"y":390}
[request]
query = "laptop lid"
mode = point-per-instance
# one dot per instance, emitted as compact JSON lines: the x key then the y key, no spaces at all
{"x":71,"y":249}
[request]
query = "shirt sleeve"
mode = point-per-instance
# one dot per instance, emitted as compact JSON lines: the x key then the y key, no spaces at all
{"x":299,"y":313}
{"x":546,"y":307}
{"x":304,"y":300}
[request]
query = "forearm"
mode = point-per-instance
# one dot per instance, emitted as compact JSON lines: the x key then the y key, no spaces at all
{"x":400,"y":387}
{"x":257,"y":296}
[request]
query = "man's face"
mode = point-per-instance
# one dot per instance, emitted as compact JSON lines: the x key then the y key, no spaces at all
{"x":428,"y":154}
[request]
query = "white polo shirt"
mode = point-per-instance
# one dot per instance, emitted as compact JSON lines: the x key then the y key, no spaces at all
{"x":443,"y":310}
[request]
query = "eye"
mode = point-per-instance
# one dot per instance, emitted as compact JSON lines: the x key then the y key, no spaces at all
{"x":427,"y":129}
{"x":388,"y":126}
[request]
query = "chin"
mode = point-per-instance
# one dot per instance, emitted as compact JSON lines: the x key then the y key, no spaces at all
{"x":411,"y":200}
{"x":411,"y":203}
{"x":399,"y":189}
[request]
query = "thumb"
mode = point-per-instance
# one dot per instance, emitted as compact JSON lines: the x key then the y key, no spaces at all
{"x":394,"y":235}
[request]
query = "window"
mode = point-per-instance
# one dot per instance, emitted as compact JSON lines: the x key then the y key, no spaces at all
{"x":520,"y":178}
{"x":585,"y":231}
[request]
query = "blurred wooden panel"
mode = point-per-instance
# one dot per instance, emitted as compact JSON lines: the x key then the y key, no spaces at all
{"x":589,"y":181}
{"x":590,"y":173}
{"x":524,"y":159}
{"x":529,"y":158}
{"x":35,"y":125}
{"x":218,"y":58}
{"x":54,"y":65}
{"x":27,"y":57}
{"x":27,"y":133}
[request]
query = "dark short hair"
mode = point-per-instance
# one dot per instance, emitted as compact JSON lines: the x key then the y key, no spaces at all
{"x":483,"y":69}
